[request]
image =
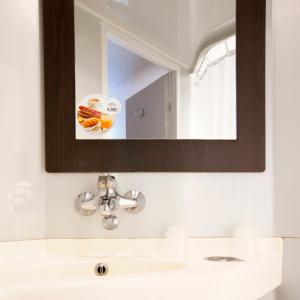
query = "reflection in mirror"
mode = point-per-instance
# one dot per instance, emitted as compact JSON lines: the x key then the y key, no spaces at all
{"x":155,"y":69}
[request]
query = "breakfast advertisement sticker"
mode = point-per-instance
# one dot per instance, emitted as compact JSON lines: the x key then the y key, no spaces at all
{"x":96,"y":114}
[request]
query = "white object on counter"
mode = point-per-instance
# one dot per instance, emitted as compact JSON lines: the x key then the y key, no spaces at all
{"x":177,"y":241}
{"x":246,"y":241}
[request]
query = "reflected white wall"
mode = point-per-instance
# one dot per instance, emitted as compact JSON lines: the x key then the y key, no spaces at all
{"x":128,"y":74}
{"x":88,"y":68}
{"x":201,"y":113}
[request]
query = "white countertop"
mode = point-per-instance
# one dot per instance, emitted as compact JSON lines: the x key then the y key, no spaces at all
{"x":140,"y":268}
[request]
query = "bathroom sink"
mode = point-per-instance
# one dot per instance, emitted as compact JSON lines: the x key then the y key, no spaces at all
{"x":46,"y":270}
{"x":148,"y":269}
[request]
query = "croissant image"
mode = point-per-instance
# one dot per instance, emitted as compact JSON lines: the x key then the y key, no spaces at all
{"x":90,"y":122}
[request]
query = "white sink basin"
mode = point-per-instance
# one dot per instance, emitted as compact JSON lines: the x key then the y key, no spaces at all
{"x":47,"y":270}
{"x":138,"y":269}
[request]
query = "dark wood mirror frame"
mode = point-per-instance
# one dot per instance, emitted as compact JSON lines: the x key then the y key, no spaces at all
{"x":66,"y":154}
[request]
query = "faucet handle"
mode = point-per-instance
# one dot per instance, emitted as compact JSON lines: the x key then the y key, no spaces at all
{"x":86,"y":204}
{"x":102,"y":182}
{"x":106,"y":185}
{"x":111,"y":182}
{"x":106,"y":181}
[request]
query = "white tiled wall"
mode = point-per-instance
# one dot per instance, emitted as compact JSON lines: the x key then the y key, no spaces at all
{"x":287,"y":116}
{"x":286,"y":28}
{"x":291,"y":271}
{"x":21,"y":151}
{"x":271,"y":296}
{"x":208,"y":204}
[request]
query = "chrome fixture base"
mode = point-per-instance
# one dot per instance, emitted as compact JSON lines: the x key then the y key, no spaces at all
{"x":140,"y":201}
{"x":80,"y":199}
{"x":110,"y":222}
{"x":107,"y":201}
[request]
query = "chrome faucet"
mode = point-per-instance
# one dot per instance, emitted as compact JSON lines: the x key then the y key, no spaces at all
{"x":107,"y":200}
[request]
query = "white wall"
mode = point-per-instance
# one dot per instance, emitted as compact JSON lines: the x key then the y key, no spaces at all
{"x":21,"y":126}
{"x":208,"y":204}
{"x":286,"y":28}
{"x":219,"y":200}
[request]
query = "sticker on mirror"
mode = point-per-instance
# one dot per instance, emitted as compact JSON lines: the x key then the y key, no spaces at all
{"x":97,"y":113}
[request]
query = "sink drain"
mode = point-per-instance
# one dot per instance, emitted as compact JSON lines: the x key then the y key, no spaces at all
{"x":223,"y":259}
{"x":101,"y":269}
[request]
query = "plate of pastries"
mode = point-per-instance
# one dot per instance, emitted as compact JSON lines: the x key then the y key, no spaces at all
{"x":90,"y":118}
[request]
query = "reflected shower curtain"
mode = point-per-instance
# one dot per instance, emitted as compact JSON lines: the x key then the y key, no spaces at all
{"x":213,"y":103}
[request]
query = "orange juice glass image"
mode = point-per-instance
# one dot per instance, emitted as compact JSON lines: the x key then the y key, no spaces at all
{"x":106,"y":121}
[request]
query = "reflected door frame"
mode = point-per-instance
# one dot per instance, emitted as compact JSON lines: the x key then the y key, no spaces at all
{"x":139,"y":47}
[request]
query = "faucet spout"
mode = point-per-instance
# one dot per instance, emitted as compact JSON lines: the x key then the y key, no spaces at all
{"x":124,"y":202}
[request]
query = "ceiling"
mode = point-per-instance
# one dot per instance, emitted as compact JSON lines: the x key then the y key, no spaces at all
{"x":176,"y":27}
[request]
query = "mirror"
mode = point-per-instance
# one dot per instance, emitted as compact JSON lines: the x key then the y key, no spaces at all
{"x":165,"y":36}
{"x":155,"y":69}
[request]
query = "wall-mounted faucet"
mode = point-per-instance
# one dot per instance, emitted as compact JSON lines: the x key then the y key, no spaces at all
{"x":107,"y":201}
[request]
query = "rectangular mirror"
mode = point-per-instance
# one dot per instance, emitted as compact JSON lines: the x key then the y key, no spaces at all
{"x":154,"y":85}
{"x":155,"y":69}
